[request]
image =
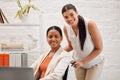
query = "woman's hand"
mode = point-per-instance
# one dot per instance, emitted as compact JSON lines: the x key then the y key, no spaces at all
{"x":77,"y":63}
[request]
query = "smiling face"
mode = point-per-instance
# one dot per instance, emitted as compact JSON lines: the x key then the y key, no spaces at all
{"x":54,"y":39}
{"x":71,"y":17}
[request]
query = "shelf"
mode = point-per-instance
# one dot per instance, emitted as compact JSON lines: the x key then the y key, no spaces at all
{"x":19,"y":24}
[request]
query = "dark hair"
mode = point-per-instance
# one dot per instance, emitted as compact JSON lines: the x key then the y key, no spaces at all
{"x":68,"y":7}
{"x":56,"y":28}
{"x":81,"y":23}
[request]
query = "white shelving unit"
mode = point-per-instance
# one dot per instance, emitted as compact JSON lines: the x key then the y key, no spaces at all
{"x":28,"y":35}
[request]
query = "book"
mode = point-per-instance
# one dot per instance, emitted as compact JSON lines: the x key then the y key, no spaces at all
{"x":12,"y":60}
{"x":17,"y":59}
{"x":24,"y":60}
{"x":13,"y":46}
{"x":6,"y":59}
{"x":1,"y":59}
{"x":1,"y":18}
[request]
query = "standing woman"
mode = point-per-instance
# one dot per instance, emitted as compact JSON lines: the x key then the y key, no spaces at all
{"x":84,"y":39}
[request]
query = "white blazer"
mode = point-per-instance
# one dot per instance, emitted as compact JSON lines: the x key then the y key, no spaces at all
{"x":56,"y":67}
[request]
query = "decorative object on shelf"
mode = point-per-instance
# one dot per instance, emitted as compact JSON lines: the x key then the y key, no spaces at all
{"x":3,"y":18}
{"x":24,"y":10}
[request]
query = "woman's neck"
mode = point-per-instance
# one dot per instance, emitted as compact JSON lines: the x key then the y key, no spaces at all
{"x":75,"y":29}
{"x":54,"y":49}
{"x":52,"y":52}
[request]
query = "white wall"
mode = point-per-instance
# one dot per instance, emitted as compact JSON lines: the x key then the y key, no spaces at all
{"x":106,"y":14}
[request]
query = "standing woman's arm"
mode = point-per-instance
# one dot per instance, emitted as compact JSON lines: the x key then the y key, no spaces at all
{"x":69,"y":46}
{"x":97,"y":41}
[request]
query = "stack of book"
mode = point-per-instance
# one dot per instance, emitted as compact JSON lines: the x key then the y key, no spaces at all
{"x":12,"y":46}
{"x":13,"y":60}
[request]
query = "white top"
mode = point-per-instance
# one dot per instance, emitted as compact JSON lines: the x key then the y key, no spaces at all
{"x":88,"y":46}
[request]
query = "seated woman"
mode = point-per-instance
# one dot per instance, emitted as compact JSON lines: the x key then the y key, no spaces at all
{"x":52,"y":64}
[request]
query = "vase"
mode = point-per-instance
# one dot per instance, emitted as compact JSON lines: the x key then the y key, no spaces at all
{"x":31,"y":19}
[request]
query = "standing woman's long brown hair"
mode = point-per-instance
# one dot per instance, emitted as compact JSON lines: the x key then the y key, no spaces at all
{"x":81,"y":24}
